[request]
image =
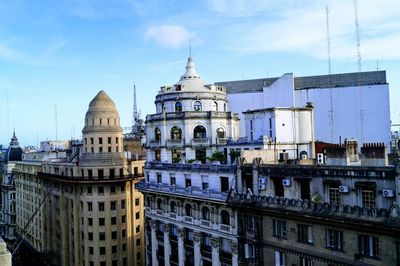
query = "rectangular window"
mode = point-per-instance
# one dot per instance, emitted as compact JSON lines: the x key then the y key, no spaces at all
{"x":157,"y":155}
{"x":123,"y":233}
{"x":279,"y":228}
{"x":122,"y":204}
{"x":159,"y":178}
{"x":100,"y":174}
{"x":100,"y":190}
{"x":100,"y":140}
{"x":91,"y":141}
{"x":90,"y":207}
{"x":109,"y":140}
{"x":101,"y":221}
{"x":334,"y":195}
{"x":368,"y":198}
{"x":280,"y":258}
{"x":172,"y":179}
{"x":90,"y":236}
{"x":90,"y":174}
{"x":188,"y":182}
{"x":102,"y":236}
{"x":101,"y":206}
{"x":368,"y":245}
{"x":112,"y":173}
{"x":113,"y":220}
{"x":334,"y":239}
{"x":116,"y":140}
{"x":204,"y":186}
{"x":114,"y":249}
{"x":113,"y":205}
{"x":102,"y":250}
{"x":224,"y":184}
{"x":176,"y":155}
{"x":90,"y":221}
{"x":304,"y":233}
{"x":123,"y":218}
{"x":114,"y":235}
{"x":137,"y":202}
{"x":137,"y":216}
{"x":89,"y":190}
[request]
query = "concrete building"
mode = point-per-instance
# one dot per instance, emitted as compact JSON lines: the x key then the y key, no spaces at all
{"x":5,"y":255}
{"x":8,"y":194}
{"x":349,"y":105}
{"x":187,"y":218}
{"x":89,"y":212}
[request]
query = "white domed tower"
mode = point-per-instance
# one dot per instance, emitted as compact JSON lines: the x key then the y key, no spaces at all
{"x":186,"y":194}
{"x":191,"y":121}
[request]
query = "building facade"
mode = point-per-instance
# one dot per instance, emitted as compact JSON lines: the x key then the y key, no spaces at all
{"x":365,"y":115}
{"x":188,"y":221}
{"x":12,"y":155}
{"x":89,"y":212}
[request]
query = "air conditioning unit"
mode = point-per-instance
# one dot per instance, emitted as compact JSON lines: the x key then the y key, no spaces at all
{"x":262,"y":187}
{"x":343,"y":189}
{"x":262,"y":180}
{"x":320,"y":158}
{"x":388,"y":193}
{"x":286,"y":182}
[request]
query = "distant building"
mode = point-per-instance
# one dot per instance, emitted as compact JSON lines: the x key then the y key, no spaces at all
{"x":349,"y":105}
{"x":89,"y":212}
{"x":11,"y":155}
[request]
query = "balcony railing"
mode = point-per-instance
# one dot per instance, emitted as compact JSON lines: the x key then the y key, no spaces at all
{"x":199,"y":142}
{"x":155,"y":143}
{"x":188,"y":192}
{"x":171,"y":143}
{"x":86,"y":179}
{"x":191,"y":114}
{"x":225,"y":168}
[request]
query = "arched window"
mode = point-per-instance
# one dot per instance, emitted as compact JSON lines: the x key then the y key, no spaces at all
{"x":224,"y":107}
{"x":188,"y":209}
{"x":178,"y":107}
{"x":199,"y":132}
{"x":205,"y":213}
{"x":303,"y":155}
{"x":172,"y":207}
{"x":225,"y":219}
{"x":157,"y":134}
{"x":214,"y":106}
{"x":176,"y":133}
{"x":197,"y":106}
{"x":159,"y":204}
{"x":220,"y":133}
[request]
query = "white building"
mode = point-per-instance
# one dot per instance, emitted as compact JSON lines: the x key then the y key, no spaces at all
{"x":350,"y":105}
{"x":188,"y":220}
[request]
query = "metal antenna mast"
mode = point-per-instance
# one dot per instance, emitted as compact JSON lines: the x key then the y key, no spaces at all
{"x":56,"y":120}
{"x":328,"y":39}
{"x":357,"y":35}
{"x":135,"y":112}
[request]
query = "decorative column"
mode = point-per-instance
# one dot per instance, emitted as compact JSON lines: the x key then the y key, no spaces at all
{"x":235,"y":257}
{"x":215,"y":243}
{"x":181,"y":247}
{"x":154,"y":243}
{"x":239,"y":184}
{"x":196,"y":247}
{"x":167,"y":245}
{"x":256,"y":163}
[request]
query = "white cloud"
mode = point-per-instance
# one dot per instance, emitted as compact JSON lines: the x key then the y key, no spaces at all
{"x":170,"y":36}
{"x":303,"y":30}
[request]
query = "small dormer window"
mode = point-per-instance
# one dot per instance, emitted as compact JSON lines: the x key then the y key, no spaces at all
{"x":197,"y":106}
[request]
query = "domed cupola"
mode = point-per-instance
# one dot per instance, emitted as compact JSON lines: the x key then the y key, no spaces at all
{"x":190,"y":80}
{"x":102,"y":134}
{"x":190,"y":71}
{"x":14,"y":151}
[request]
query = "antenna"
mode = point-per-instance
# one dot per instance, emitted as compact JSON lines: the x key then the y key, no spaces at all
{"x":357,"y":35}
{"x":190,"y":47}
{"x":135,"y":112}
{"x":328,"y":39}
{"x":56,"y":121}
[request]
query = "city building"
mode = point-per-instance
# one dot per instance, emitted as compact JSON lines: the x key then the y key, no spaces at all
{"x":85,"y":208}
{"x":5,"y":255}
{"x":188,"y":221}
{"x":7,"y":163}
{"x":364,"y":115}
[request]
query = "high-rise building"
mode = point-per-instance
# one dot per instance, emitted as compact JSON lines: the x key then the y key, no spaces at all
{"x":90,"y":212}
{"x":188,"y":221}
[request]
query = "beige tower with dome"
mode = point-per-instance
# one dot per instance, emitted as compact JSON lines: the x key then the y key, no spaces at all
{"x":92,"y":214}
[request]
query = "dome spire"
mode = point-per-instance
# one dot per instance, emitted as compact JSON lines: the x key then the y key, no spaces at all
{"x":191,"y":72}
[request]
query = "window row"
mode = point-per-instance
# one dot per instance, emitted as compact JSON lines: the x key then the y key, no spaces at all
{"x":100,"y":140}
{"x":197,"y":106}
{"x":367,"y":244}
{"x":199,"y":132}
{"x":101,"y":121}
{"x":101,"y":205}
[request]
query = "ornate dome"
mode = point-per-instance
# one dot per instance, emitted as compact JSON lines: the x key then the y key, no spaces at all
{"x":102,"y":115}
{"x":14,"y":152}
{"x":190,"y":80}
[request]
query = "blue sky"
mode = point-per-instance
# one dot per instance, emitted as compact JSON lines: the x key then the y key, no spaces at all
{"x":63,"y":52}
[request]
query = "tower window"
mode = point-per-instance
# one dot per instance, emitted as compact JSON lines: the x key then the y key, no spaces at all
{"x":176,"y":133}
{"x":178,"y":107}
{"x":197,"y":106}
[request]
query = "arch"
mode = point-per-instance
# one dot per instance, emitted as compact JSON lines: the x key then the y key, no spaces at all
{"x":205,"y":213}
{"x":178,"y":107}
{"x":176,"y":133}
{"x":199,"y":132}
{"x":221,"y":133}
{"x":157,"y":134}
{"x":188,"y":209}
{"x":225,"y":217}
{"x":303,"y":155}
{"x":214,"y":106}
{"x":159,"y":204}
{"x":172,"y":206}
{"x":197,"y":106}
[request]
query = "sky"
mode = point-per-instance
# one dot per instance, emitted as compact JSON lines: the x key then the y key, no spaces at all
{"x":55,"y":55}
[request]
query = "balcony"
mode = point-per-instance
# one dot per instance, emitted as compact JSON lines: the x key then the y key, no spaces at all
{"x":174,"y":143}
{"x":187,"y":192}
{"x":220,"y":168}
{"x":225,"y":227}
{"x":155,"y":144}
{"x":201,"y":142}
{"x":191,"y":114}
{"x":222,"y":141}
